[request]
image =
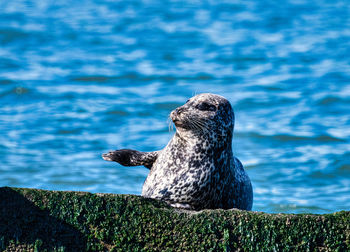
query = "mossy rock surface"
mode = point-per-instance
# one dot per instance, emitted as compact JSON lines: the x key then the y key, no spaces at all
{"x":39,"y":220}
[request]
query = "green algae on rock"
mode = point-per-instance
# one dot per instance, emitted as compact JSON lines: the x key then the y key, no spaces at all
{"x":39,"y":220}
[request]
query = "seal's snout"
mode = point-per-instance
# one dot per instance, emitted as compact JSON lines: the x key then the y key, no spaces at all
{"x":108,"y":156}
{"x":179,"y":110}
{"x":175,"y":116}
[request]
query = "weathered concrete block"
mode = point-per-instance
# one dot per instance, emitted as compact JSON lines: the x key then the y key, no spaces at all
{"x":40,"y":220}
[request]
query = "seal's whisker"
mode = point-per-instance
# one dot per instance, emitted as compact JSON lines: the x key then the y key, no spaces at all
{"x":204,"y":125}
{"x":191,"y":123}
{"x":195,"y":125}
{"x":170,"y":124}
{"x":200,"y":124}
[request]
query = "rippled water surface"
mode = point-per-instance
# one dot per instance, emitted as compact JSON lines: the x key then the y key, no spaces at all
{"x":79,"y":78}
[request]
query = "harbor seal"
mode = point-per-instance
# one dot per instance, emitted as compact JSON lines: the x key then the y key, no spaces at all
{"x":197,"y":169}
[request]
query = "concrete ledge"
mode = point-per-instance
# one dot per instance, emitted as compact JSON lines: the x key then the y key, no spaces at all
{"x":39,"y":220}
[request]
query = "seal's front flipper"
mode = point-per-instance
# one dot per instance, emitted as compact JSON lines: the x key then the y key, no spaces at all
{"x":129,"y":157}
{"x":120,"y":156}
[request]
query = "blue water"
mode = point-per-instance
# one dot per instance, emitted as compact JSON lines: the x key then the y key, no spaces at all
{"x":79,"y":78}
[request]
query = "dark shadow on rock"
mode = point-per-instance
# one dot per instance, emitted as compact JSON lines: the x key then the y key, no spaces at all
{"x":22,"y":223}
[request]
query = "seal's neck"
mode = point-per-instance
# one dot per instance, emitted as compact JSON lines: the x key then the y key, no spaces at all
{"x":208,"y":140}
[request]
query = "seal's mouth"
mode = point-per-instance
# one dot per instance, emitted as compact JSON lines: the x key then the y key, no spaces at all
{"x":177,"y":123}
{"x":175,"y":119}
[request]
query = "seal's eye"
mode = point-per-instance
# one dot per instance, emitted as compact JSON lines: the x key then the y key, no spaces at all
{"x":206,"y":107}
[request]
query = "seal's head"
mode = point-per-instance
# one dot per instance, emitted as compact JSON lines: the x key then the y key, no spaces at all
{"x":205,"y":115}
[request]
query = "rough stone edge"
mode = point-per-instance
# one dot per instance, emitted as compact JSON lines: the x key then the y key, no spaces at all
{"x":39,"y":220}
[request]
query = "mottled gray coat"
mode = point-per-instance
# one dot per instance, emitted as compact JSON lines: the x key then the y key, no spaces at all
{"x":197,"y":169}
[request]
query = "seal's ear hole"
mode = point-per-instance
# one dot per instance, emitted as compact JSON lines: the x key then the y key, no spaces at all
{"x":204,"y":106}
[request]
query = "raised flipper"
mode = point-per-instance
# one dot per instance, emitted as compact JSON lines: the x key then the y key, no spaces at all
{"x":128,"y":157}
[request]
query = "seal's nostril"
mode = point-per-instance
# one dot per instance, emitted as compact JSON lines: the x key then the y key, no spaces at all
{"x":179,"y":110}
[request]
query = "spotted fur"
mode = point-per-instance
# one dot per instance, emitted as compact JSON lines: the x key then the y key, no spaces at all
{"x":197,"y":169}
